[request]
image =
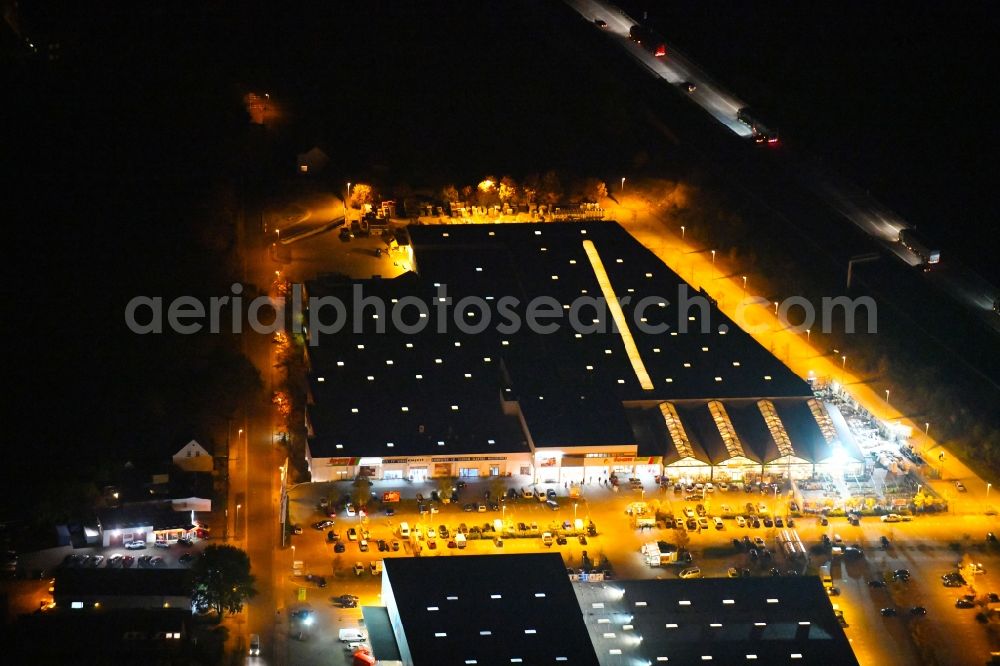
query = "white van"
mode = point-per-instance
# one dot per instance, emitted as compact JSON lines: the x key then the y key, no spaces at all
{"x":376,"y":567}
{"x":404,"y":530}
{"x":460,"y":540}
{"x":353,"y":635}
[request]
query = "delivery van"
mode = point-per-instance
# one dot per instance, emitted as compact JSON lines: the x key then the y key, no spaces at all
{"x":404,"y":530}
{"x":460,"y":540}
{"x":352,"y":635}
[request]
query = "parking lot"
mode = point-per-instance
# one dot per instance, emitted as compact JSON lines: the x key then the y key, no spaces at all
{"x":929,"y":546}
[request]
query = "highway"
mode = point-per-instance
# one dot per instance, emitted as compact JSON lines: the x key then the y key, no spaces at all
{"x":975,"y":294}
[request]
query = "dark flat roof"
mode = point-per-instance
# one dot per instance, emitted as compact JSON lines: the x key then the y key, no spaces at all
{"x":784,"y":620}
{"x":159,"y":514}
{"x":122,"y":582}
{"x":562,"y":379}
{"x":526,"y":603}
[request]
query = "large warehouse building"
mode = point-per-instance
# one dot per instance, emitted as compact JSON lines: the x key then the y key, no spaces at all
{"x":658,"y":381}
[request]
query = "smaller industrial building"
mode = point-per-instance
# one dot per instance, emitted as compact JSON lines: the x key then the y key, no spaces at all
{"x":784,"y":620}
{"x":488,"y":609}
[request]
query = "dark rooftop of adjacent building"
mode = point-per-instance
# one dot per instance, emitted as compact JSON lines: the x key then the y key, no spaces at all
{"x":785,"y":620}
{"x":87,"y":582}
{"x":428,"y":392}
{"x":486,"y":609}
{"x":148,"y":636}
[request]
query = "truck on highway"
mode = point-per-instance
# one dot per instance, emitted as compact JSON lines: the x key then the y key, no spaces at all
{"x":648,"y":39}
{"x":760,"y":132}
{"x":911,"y":240}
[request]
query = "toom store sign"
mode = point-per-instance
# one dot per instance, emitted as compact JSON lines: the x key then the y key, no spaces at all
{"x":391,"y":496}
{"x":342,"y":462}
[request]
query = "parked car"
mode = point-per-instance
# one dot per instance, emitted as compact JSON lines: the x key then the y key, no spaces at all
{"x":888,"y":612}
{"x":339,"y":547}
{"x":358,"y":568}
{"x":157,"y":561}
{"x":186,"y":558}
{"x":965,"y":603}
{"x":363,"y":546}
{"x":114,"y":561}
{"x":346,"y":600}
{"x":321,"y":525}
{"x":960,"y":487}
{"x":136,"y":544}
{"x":187,"y":543}
{"x":690,"y":572}
{"x":901,"y":574}
{"x":918,"y":610}
{"x":891,"y":518}
{"x":741,"y":521}
{"x":352,"y":534}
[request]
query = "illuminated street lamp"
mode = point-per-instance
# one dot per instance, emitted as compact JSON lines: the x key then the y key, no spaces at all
{"x":927,"y":427}
{"x":744,"y":286}
{"x":574,"y":512}
{"x":776,"y":307}
{"x":713,"y":257}
{"x":808,"y":334}
{"x":682,"y":232}
{"x":887,"y":396}
{"x":843,"y":362}
{"x":237,"y":524}
{"x":623,"y":184}
{"x":988,"y":486}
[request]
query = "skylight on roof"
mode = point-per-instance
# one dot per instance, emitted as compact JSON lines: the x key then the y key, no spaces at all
{"x":419,"y":376}
{"x":340,"y":446}
{"x":321,"y":379}
{"x":354,"y":410}
{"x":495,"y":596}
{"x":340,"y":364}
{"x":405,"y":408}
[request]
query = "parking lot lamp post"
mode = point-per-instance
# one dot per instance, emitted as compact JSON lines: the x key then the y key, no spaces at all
{"x":713,"y":257}
{"x":293,"y":558}
{"x":236,"y":525}
{"x":988,"y":486}
{"x":887,"y":396}
{"x":623,"y":184}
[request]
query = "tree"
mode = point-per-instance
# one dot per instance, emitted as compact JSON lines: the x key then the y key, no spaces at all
{"x":362,"y":493}
{"x":551,"y":190}
{"x":221,"y":579}
{"x":508,"y":190}
{"x":445,"y":484}
{"x":450,"y":194}
{"x":486,"y":192}
{"x":362,"y":194}
{"x":594,"y":190}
